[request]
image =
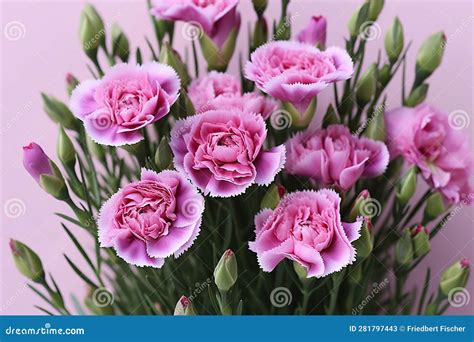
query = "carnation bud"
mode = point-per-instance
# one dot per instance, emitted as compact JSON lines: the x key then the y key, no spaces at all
{"x":429,"y":56}
{"x":120,"y":45}
{"x":434,"y":207}
{"x":407,"y":186}
{"x":384,"y":74}
{"x":91,"y":31}
{"x":365,"y":87}
{"x":54,"y":186}
{"x":330,"y":118}
{"x":218,"y":58}
{"x":375,"y":7}
{"x":376,"y":127}
{"x":173,"y":59}
{"x":315,"y":32}
{"x":184,"y":307}
{"x":27,"y":262}
{"x":71,"y":83}
{"x":417,"y":96}
{"x":364,"y":244}
{"x":394,"y":41}
{"x":421,"y":241}
{"x":66,"y":151}
{"x":404,"y":250}
{"x":359,"y":203}
{"x":259,"y":6}
{"x":94,"y":303}
{"x":260,"y":33}
{"x":35,"y":161}
{"x":359,"y":17}
{"x":59,"y":112}
{"x":300,"y":270}
{"x":164,"y":155}
{"x":225,"y":273}
{"x":455,"y":276}
{"x":272,"y":197}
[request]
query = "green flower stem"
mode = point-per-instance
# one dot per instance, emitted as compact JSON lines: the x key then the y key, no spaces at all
{"x":224,"y":304}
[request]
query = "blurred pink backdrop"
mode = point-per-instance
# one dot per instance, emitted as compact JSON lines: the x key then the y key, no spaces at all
{"x":45,"y":47}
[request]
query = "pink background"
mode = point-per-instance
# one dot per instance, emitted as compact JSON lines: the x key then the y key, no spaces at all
{"x":48,"y":48}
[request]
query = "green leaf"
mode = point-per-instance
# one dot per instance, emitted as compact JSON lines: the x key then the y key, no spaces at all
{"x":80,"y":273}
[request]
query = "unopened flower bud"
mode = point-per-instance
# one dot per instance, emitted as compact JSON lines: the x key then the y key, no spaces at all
{"x":384,"y":74}
{"x":173,"y":59}
{"x":358,"y":206}
{"x":71,"y":83}
{"x":35,"y":161}
{"x":394,"y":41}
{"x":330,"y":118}
{"x":421,"y":241}
{"x":365,"y":87}
{"x":59,"y":112}
{"x":434,"y":207}
{"x":120,"y":45}
{"x":375,"y":7}
{"x":184,"y":307}
{"x":164,"y":155}
{"x":55,"y":186}
{"x":376,"y":127}
{"x":315,"y":32}
{"x":27,"y":262}
{"x":455,"y":276}
{"x":225,"y":273}
{"x":407,"y":186}
{"x":259,"y":6}
{"x":364,"y":244}
{"x":404,"y":250}
{"x":91,"y":31}
{"x":260,"y":33}
{"x":66,"y":151}
{"x":417,"y":96}
{"x":429,"y":56}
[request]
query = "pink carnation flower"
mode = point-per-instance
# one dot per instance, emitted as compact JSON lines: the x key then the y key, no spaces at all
{"x":296,"y":72}
{"x":151,"y":219}
{"x":247,"y":103}
{"x":423,"y":136}
{"x":35,"y":161}
{"x":129,"y":97}
{"x":306,"y":227}
{"x":215,"y":17}
{"x":333,"y":156}
{"x":205,"y":89}
{"x":221,"y":151}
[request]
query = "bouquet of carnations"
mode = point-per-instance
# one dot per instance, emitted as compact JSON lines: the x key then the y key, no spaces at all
{"x":225,"y":193}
